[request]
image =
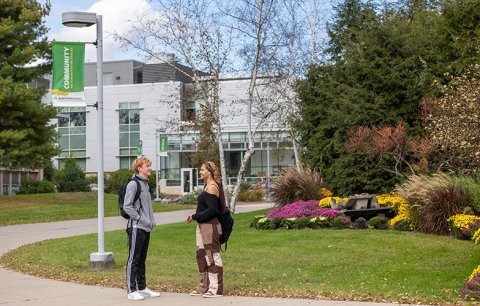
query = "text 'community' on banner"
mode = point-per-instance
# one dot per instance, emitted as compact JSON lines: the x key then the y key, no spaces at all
{"x":68,"y":75}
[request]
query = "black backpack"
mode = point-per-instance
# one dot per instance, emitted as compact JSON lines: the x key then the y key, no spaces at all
{"x":226,"y":222}
{"x":121,"y":196}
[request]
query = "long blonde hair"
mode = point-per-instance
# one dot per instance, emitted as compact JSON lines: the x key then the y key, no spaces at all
{"x":215,"y":172}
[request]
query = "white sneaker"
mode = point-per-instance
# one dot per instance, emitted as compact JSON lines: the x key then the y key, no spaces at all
{"x":209,"y":294}
{"x":136,"y":296}
{"x":149,"y":293}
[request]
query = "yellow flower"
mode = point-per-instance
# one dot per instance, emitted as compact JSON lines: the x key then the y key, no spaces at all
{"x":475,"y":272}
{"x":325,"y":202}
{"x":391,"y":200}
{"x":324,"y":192}
{"x":462,"y":221}
{"x":476,"y":236}
{"x":404,"y":215}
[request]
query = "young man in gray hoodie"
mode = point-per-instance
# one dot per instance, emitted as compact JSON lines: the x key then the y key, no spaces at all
{"x":139,"y":226}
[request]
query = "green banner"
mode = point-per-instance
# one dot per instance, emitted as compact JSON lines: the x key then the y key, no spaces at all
{"x":163,"y":145}
{"x":139,"y":148}
{"x":68,"y":73}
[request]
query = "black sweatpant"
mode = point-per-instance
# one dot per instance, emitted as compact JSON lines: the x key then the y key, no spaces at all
{"x":138,"y":241}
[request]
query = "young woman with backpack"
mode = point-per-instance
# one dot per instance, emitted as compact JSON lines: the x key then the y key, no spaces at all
{"x":210,"y":203}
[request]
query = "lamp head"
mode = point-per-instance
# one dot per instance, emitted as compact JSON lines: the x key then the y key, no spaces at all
{"x":78,"y":19}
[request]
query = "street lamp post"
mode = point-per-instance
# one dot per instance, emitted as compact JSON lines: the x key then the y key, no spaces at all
{"x":158,"y":163}
{"x":98,"y":260}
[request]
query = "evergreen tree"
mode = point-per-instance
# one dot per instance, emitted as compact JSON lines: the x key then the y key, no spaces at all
{"x":381,"y":64}
{"x":71,"y":177}
{"x":26,"y":138}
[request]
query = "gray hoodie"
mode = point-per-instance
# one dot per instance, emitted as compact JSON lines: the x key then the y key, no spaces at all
{"x":140,"y":215}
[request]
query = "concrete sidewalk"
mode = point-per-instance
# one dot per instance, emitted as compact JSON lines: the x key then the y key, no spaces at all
{"x":20,"y":289}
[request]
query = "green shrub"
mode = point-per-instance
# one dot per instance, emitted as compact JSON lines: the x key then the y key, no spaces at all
{"x":115,"y":180}
{"x":92,"y":179}
{"x":262,"y":222}
{"x":402,"y":226}
{"x":341,"y":221}
{"x":473,"y":189}
{"x":190,"y":198}
{"x":296,"y":184}
{"x":49,"y":171}
{"x":245,"y":185}
{"x":31,"y":187}
{"x":71,"y":178}
{"x":378,"y":222}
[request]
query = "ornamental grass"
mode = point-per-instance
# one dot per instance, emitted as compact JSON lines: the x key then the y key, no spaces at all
{"x":433,"y":200}
{"x":295,"y":184}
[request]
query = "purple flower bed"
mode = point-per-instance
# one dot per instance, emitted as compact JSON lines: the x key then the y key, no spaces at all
{"x":300,"y":209}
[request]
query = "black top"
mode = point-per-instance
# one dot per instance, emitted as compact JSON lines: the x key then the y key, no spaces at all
{"x":208,"y":207}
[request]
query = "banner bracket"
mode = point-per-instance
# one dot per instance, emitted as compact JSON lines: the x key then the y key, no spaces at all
{"x":93,"y":105}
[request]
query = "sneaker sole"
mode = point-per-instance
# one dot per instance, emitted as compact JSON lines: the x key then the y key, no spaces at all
{"x":212,"y":296}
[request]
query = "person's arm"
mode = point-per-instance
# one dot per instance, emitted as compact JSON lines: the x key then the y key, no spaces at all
{"x":128,"y":205}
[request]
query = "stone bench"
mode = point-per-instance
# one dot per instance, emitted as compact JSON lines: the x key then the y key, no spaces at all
{"x":362,"y":205}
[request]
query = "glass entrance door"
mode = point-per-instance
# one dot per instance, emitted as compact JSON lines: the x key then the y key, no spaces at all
{"x":188,"y":181}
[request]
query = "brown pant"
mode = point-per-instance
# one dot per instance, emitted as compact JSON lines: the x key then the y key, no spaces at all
{"x":209,"y":260}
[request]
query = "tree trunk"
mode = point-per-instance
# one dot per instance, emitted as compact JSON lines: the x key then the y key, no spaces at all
{"x":295,"y":149}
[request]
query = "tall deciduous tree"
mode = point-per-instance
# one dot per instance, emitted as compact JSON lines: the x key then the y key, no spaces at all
{"x":452,"y":122}
{"x":26,"y":138}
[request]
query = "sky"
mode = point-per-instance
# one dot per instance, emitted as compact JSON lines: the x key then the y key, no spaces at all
{"x":115,"y":14}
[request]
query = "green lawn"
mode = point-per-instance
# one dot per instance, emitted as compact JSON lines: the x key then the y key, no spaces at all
{"x":369,"y":265}
{"x":50,"y":207}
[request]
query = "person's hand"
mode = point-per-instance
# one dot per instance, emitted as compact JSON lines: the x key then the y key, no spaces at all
{"x":189,"y":218}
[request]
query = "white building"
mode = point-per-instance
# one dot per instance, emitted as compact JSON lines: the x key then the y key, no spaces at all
{"x":140,"y":100}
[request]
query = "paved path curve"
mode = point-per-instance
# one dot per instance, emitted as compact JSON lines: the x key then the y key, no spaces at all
{"x":20,"y":289}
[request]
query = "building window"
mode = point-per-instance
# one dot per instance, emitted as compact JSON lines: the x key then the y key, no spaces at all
{"x":190,"y":111}
{"x":72,"y":124}
{"x":129,"y":121}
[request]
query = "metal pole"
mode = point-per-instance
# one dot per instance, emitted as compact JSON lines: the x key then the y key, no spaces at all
{"x":157,"y":198}
{"x":268,"y":159}
{"x":268,"y":169}
{"x":101,"y":235}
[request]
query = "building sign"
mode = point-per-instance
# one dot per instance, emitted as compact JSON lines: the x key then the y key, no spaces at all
{"x":163,"y":145}
{"x":68,"y":75}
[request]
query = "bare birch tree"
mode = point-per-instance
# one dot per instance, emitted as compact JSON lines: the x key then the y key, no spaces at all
{"x":280,"y":39}
{"x":274,"y":39}
{"x":190,"y":29}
